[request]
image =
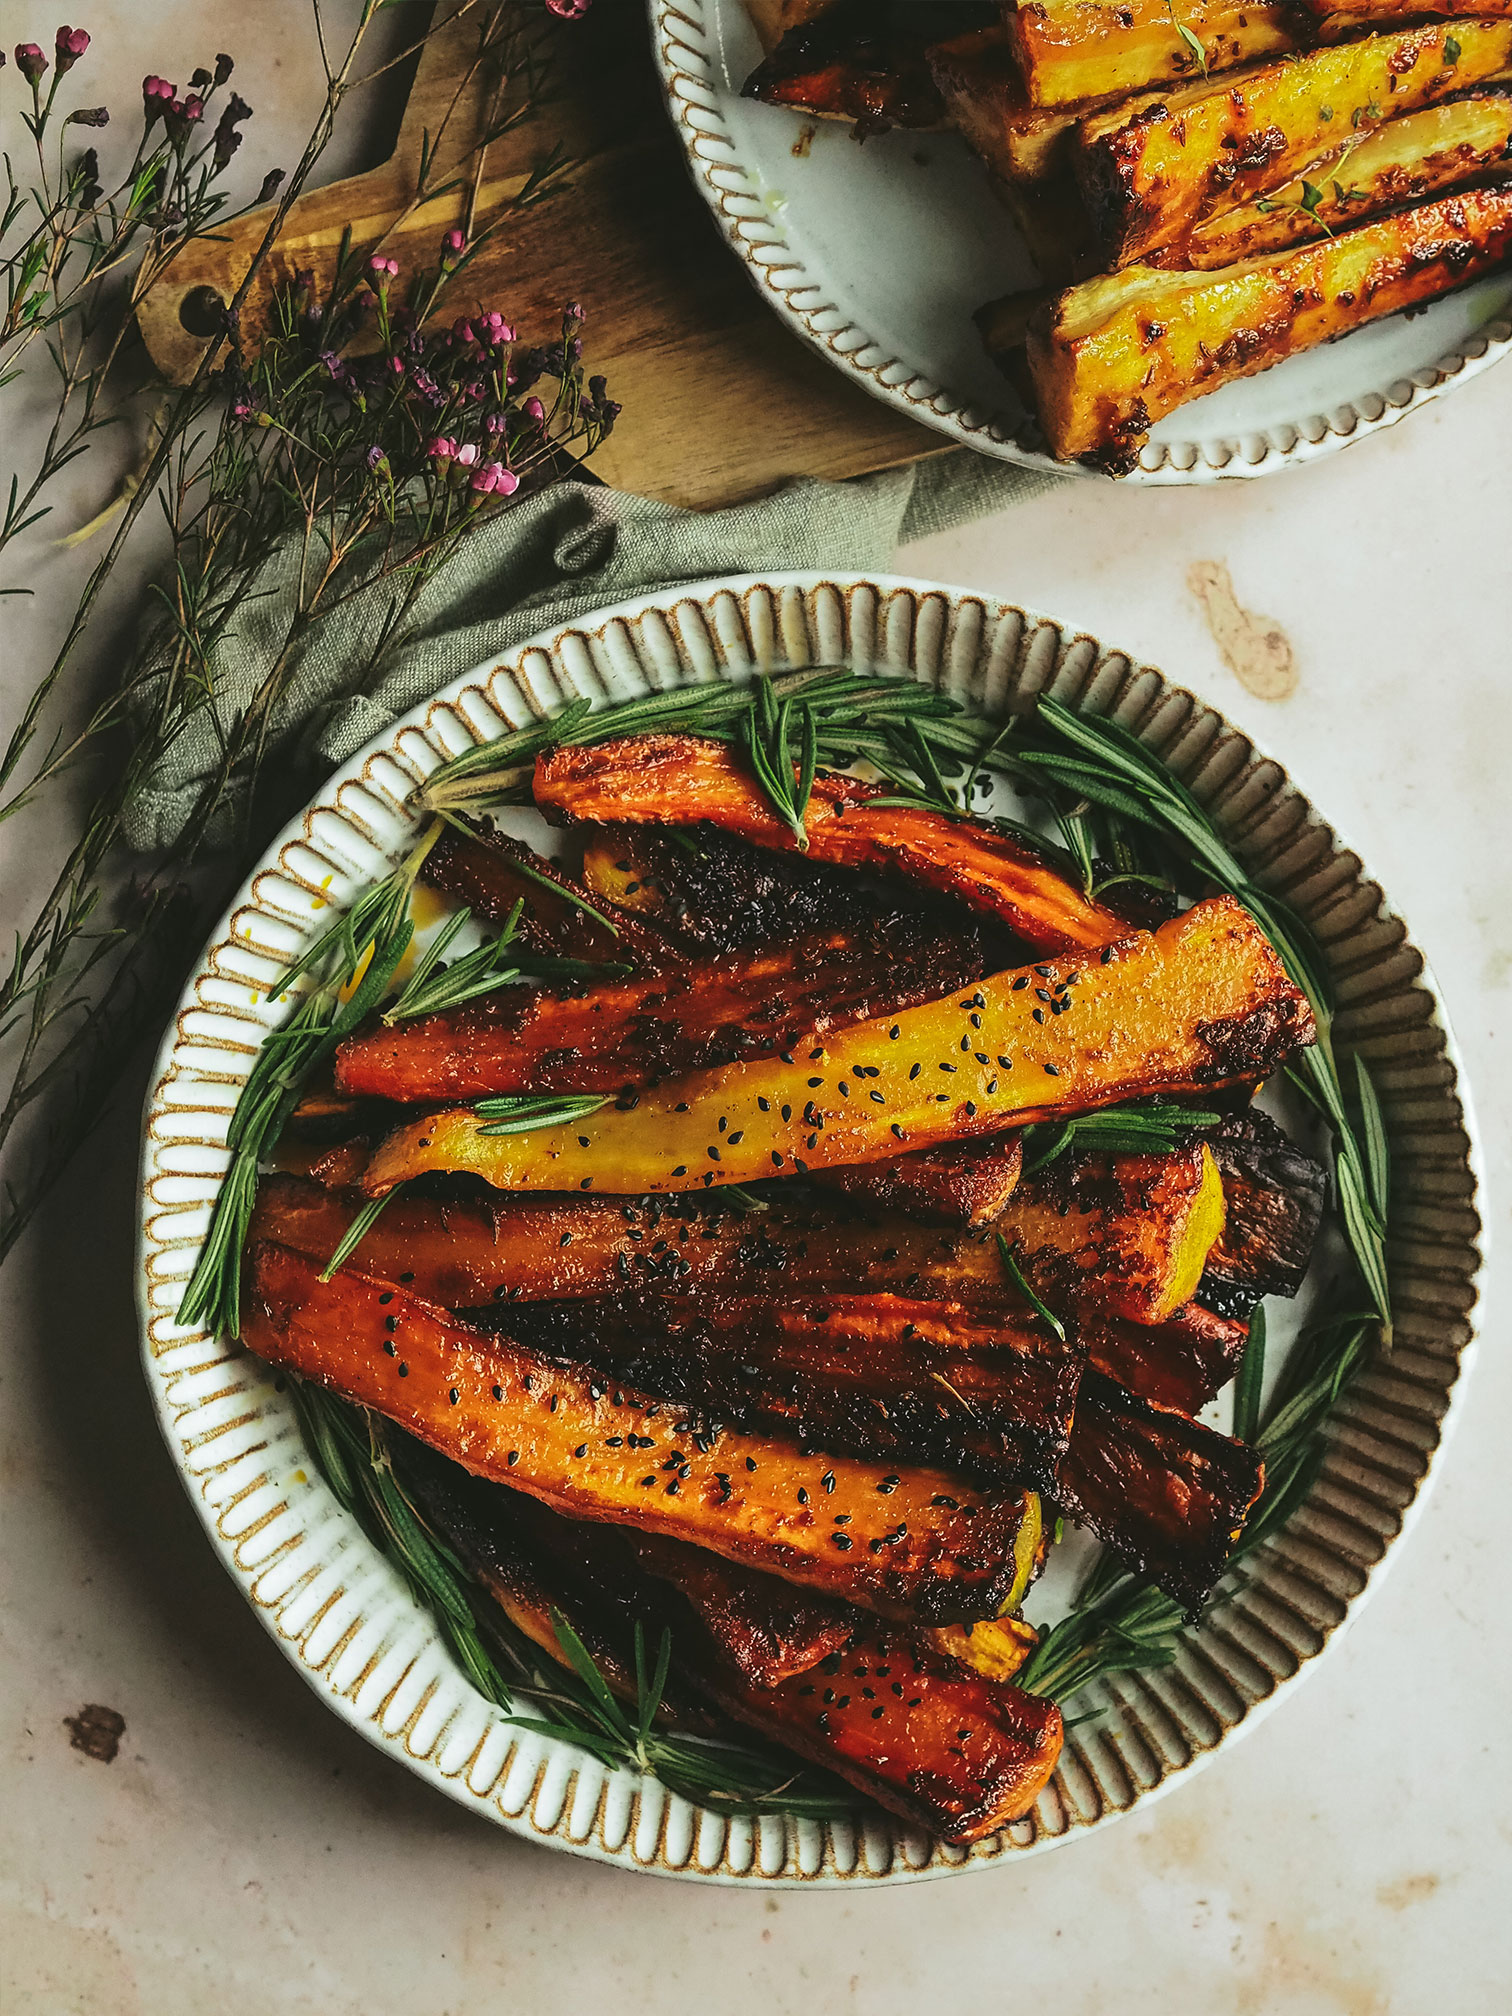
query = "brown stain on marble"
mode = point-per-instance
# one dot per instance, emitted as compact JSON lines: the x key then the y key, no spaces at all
{"x":1407,"y":1890}
{"x":1255,"y":648}
{"x":96,"y":1731}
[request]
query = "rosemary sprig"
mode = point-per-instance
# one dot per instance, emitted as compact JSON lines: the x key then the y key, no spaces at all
{"x":521,"y":1112}
{"x":350,"y":1448}
{"x":1142,"y":1127}
{"x":351,"y":965}
{"x":1251,"y":1377}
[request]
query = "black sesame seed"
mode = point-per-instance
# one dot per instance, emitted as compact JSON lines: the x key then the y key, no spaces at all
{"x":391,"y":1323}
{"x":390,"y":1347}
{"x":1021,"y":983}
{"x":681,"y":1106}
{"x":737,"y":1137}
{"x":1052,"y":1070}
{"x":828,"y":1480}
{"x":915,"y":1071}
{"x":894,"y":1033}
{"x":876,"y":1714}
{"x":1039,"y":1014}
{"x":750,"y":1462}
{"x":403,"y":1370}
{"x":514,"y":1457}
{"x":971,"y":1109}
{"x":1105,"y":955}
{"x":581,"y":1449}
{"x":802,"y":1495}
{"x":897,"y":1131}
{"x":681,"y":1169}
{"x":497,"y":1391}
{"x":406,"y":1277}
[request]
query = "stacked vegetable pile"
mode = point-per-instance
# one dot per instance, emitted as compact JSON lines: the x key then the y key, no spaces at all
{"x":1206,"y":189}
{"x":838,"y":1196}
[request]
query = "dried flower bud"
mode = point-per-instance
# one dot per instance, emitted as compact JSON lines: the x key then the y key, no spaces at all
{"x":535,"y":412}
{"x":270,"y":185}
{"x":569,"y":10}
{"x":223,"y":68}
{"x":157,"y":95}
{"x":494,"y":330}
{"x":181,"y":116}
{"x":30,"y":61}
{"x":380,"y":271}
{"x":597,"y":387}
{"x":453,"y":245}
{"x":93,"y":115}
{"x":375,"y":458}
{"x":69,"y":45}
{"x":572,"y":317}
{"x":200,"y":80}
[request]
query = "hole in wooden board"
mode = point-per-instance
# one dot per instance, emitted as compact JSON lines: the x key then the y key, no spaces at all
{"x":203,"y":312}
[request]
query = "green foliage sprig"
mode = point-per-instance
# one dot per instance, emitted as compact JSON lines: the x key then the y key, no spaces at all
{"x":1120,"y":1623}
{"x":343,"y":434}
{"x":350,"y":1448}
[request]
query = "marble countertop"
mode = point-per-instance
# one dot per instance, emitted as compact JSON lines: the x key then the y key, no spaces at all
{"x":246,"y":1853}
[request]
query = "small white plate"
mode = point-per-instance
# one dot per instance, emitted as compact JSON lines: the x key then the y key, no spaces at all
{"x":879,"y":255}
{"x":339,"y":1610}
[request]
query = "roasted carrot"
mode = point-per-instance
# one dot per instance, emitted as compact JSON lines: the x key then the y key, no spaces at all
{"x":1202,"y":1002}
{"x":678,"y":780}
{"x":596,"y":1450}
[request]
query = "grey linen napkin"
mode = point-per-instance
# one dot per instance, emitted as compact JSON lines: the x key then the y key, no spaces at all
{"x":555,"y":557}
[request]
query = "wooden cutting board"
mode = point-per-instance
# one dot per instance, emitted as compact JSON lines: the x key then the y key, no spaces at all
{"x":721,"y":402}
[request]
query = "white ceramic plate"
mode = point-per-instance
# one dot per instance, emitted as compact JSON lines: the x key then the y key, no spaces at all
{"x":340,"y":1612}
{"x":880,"y":254}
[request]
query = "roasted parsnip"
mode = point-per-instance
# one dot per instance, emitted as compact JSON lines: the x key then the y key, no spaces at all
{"x":1151,"y":169}
{"x":1074,"y":49}
{"x":1113,"y":355}
{"x":1407,"y":159}
{"x":1358,"y":17}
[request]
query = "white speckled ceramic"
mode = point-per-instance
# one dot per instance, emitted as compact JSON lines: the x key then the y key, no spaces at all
{"x":332,"y":1603}
{"x":880,"y":254}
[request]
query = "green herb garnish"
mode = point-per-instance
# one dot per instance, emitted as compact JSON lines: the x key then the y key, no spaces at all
{"x":1143,"y":1127}
{"x":350,"y":1448}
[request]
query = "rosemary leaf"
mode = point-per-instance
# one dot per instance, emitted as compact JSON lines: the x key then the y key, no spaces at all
{"x":1251,"y":1377}
{"x":1015,"y":1274}
{"x":520,"y":1113}
{"x":358,"y":1230}
{"x":1145,"y":1127}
